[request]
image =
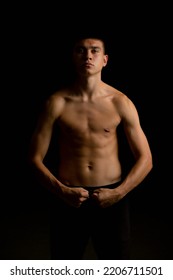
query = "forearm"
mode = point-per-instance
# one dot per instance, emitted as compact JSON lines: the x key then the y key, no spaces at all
{"x":46,"y":178}
{"x":136,"y":175}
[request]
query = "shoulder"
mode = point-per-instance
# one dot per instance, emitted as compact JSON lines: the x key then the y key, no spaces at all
{"x":55,"y":102}
{"x":123,"y":104}
{"x":119,"y":98}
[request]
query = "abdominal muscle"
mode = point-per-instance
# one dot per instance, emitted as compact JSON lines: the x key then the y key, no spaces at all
{"x":89,"y":166}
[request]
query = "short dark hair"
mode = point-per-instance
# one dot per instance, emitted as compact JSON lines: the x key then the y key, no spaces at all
{"x":90,"y":34}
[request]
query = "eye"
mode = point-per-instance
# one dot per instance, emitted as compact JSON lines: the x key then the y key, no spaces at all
{"x":79,"y":50}
{"x":95,"y":50}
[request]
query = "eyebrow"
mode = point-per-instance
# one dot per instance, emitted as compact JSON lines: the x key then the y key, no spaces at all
{"x":87,"y":48}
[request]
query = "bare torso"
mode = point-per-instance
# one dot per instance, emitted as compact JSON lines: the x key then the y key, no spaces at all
{"x":85,"y":117}
{"x":88,"y":141}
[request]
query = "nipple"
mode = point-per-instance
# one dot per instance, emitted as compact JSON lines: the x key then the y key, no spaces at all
{"x":106,"y":130}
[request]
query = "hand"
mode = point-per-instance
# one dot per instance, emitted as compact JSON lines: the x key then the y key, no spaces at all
{"x":75,"y":196}
{"x":106,"y":197}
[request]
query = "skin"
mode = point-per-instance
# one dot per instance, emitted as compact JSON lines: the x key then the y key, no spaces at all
{"x":88,"y":114}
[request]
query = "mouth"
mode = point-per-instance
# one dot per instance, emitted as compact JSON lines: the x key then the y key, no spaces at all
{"x":87,"y":65}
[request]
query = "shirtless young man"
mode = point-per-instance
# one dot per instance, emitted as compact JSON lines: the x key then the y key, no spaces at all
{"x":89,"y":193}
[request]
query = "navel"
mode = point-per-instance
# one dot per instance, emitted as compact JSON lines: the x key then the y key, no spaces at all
{"x":90,"y":166}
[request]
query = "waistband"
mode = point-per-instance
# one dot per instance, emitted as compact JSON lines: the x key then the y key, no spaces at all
{"x":91,"y":189}
{"x":109,"y":186}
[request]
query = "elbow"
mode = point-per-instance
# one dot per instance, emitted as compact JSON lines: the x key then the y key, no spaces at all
{"x":149,"y":163}
{"x":32,"y":161}
{"x":150,"y":166}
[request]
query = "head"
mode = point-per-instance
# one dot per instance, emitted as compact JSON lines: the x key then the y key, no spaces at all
{"x":90,"y":35}
{"x":89,"y":54}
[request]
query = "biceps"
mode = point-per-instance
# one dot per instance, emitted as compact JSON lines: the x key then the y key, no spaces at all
{"x":40,"y":144}
{"x":137,"y":141}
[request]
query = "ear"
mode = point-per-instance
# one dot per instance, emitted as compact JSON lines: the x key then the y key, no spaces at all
{"x":105,"y":60}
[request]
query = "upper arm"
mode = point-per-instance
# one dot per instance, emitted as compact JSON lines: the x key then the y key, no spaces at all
{"x":42,"y":134}
{"x":135,"y":135}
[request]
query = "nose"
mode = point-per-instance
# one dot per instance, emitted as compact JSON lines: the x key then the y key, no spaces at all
{"x":88,"y":54}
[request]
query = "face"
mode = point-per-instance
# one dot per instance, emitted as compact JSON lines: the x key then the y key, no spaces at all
{"x":89,"y":57}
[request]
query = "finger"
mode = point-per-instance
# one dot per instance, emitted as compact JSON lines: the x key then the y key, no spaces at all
{"x":85,"y":194}
{"x":94,"y":196}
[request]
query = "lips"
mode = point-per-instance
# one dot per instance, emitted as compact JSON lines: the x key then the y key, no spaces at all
{"x":88,"y":65}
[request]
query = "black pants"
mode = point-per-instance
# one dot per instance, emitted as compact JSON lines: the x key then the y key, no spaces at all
{"x":71,"y":228}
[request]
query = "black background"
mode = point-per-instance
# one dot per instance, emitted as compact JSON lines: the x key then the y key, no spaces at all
{"x":35,"y":60}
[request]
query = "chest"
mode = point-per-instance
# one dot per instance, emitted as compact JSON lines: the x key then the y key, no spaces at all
{"x":81,"y":117}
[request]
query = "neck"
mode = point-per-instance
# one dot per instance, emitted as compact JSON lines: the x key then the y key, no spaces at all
{"x":87,"y":86}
